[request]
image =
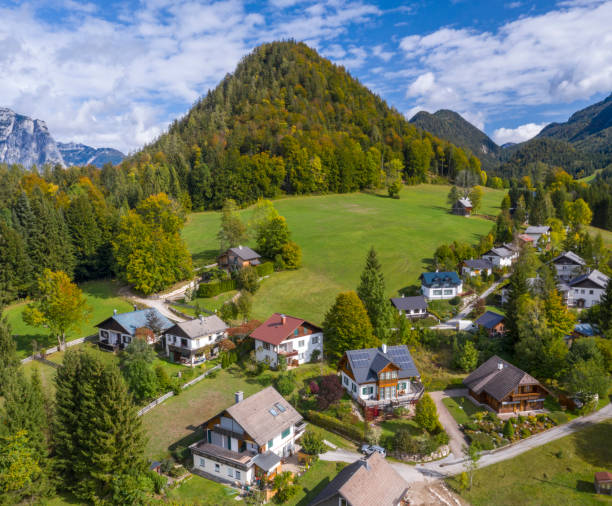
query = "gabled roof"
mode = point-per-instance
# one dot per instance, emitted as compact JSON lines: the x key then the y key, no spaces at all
{"x":585,"y":329}
{"x":267,"y":461}
{"x":369,"y":481}
{"x":465,"y":202}
{"x":599,"y":278}
{"x":440,"y":279}
{"x":478,"y":263}
{"x":569,"y":255}
{"x":407,"y":303}
{"x":275,"y":330}
{"x":489,"y":320}
{"x":603,"y":476}
{"x":525,"y":237}
{"x":365,"y":364}
{"x":534,"y":230}
{"x":498,"y":381}
{"x":137,"y":319}
{"x":198,"y":327}
{"x":261,"y":417}
{"x":502,"y":252}
{"x":245,"y":253}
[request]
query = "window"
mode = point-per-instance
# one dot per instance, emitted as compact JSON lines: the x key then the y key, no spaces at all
{"x":217,"y":468}
{"x":237,"y":475}
{"x":448,"y":291}
{"x":184,"y":342}
{"x":315,"y":339}
{"x":354,"y":387}
{"x":270,"y":444}
{"x":286,"y":432}
{"x":266,"y":346}
{"x":342,"y":501}
{"x":301,"y":356}
{"x":202,"y":462}
{"x":296,"y":332}
{"x":104,"y":333}
{"x":591,"y":292}
{"x":364,"y":390}
{"x":301,"y":344}
{"x":437,"y":292}
{"x":273,"y":412}
{"x":346,"y":382}
{"x":230,"y":472}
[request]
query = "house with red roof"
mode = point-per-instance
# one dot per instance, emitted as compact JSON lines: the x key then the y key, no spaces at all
{"x":283,"y":335}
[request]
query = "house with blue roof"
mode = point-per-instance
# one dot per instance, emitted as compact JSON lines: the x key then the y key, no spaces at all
{"x":384,"y":377}
{"x":116,"y":332}
{"x":441,"y":285}
{"x":492,"y":322}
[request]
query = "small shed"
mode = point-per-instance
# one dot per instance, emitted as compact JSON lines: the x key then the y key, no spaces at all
{"x":603,"y":483}
{"x":463,"y":207}
{"x":155,"y":466}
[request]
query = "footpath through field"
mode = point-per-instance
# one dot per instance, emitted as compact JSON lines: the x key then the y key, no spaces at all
{"x":451,"y":466}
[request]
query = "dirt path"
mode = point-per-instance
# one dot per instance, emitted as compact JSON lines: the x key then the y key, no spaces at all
{"x":457,"y":438}
{"x":158,"y":304}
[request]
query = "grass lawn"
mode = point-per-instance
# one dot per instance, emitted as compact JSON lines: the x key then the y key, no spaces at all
{"x":335,"y":233}
{"x":391,"y":427}
{"x":606,"y":235}
{"x":200,"y":491}
{"x":212,"y":303}
{"x":436,"y":368}
{"x":557,"y":473}
{"x":332,"y":437}
{"x":101,"y":296}
{"x":495,"y":309}
{"x":313,"y":481}
{"x":461,"y":408}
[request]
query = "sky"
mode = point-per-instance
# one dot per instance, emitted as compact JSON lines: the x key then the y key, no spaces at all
{"x":115,"y":74}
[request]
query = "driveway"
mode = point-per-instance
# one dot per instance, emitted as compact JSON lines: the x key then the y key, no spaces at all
{"x":467,"y":309}
{"x":451,"y":465}
{"x":457,"y":438}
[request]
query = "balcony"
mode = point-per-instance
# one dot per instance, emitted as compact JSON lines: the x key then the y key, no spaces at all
{"x":401,"y":400}
{"x":220,"y":454}
{"x":299,"y":428}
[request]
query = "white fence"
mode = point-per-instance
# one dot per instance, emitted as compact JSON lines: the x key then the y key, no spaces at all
{"x":48,"y":351}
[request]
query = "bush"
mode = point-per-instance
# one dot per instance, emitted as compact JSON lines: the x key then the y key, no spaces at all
{"x":335,"y":425}
{"x":159,"y":481}
{"x":292,"y":255}
{"x":166,"y":465}
{"x":508,"y":429}
{"x":426,"y":415}
{"x":314,"y":387}
{"x":315,"y":356}
{"x":330,"y":391}
{"x":247,"y":279}
{"x":279,"y":263}
{"x":558,"y":417}
{"x":285,"y":383}
{"x":525,"y":432}
{"x":265,"y":269}
{"x":312,"y":444}
{"x":214,"y":288}
{"x":455,"y":301}
{"x":482,"y":441}
{"x":281,"y":363}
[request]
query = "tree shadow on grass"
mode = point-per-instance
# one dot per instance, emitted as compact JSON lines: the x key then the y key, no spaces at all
{"x":593,"y":445}
{"x":180,"y":449}
{"x":205,"y":257}
{"x":585,"y":486}
{"x":313,"y":492}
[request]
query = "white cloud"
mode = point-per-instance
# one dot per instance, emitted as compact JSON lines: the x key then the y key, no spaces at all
{"x":519,"y":134}
{"x":561,"y":56}
{"x":119,"y":84}
{"x":380,"y":52}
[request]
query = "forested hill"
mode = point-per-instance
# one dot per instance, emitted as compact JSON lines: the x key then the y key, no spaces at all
{"x":288,"y":120}
{"x":453,"y":127}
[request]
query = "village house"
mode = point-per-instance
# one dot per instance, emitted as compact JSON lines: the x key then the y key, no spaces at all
{"x":293,"y":338}
{"x":492,"y":322}
{"x":504,"y":256}
{"x":239,"y":257}
{"x":381,"y":377}
{"x":505,"y":388}
{"x":191,"y":342}
{"x":580,"y":330}
{"x":603,"y":483}
{"x":116,"y":332}
{"x":366,"y":482}
{"x":585,"y":290}
{"x":462,"y":207}
{"x":568,"y":265}
{"x":476,"y":267}
{"x":411,"y":307}
{"x":248,"y":440}
{"x":441,"y":285}
{"x":536,"y":232}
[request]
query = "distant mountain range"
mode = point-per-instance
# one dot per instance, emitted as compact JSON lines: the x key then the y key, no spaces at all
{"x":28,"y":142}
{"x":580,"y":145}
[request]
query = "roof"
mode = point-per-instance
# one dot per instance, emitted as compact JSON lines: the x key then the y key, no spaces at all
{"x":478,"y":263}
{"x":202,"y":326}
{"x":465,"y":202}
{"x":502,"y":252}
{"x":406,"y":303}
{"x":138,"y":319}
{"x":525,"y":237}
{"x":275,"y":331}
{"x":534,"y":230}
{"x":599,"y":278}
{"x":260,"y":416}
{"x":584,"y":329}
{"x":489,"y":320}
{"x":267,"y":461}
{"x":154,"y":465}
{"x":497,"y":382}
{"x":440,"y":279}
{"x":569,"y":255}
{"x":371,"y":480}
{"x":603,"y":476}
{"x":365,"y":364}
{"x":245,"y":253}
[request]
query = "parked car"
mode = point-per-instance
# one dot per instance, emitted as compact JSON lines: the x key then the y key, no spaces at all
{"x":367,"y":449}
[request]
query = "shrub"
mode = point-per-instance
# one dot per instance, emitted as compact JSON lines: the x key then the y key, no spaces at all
{"x":335,"y":425}
{"x":292,"y":255}
{"x":285,"y":383}
{"x":330,"y":391}
{"x":315,"y":356}
{"x":314,"y":387}
{"x":214,"y":288}
{"x":558,"y":417}
{"x":426,"y":415}
{"x":525,"y":432}
{"x":247,"y":279}
{"x":521,"y":419}
{"x":279,"y":263}
{"x":312,"y":444}
{"x":159,"y":481}
{"x":166,"y":465}
{"x":482,"y":441}
{"x":265,"y":269}
{"x":281,"y":363}
{"x":508,"y":429}
{"x":455,"y":301}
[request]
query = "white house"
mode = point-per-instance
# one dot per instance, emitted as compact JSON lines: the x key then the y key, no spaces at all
{"x":587,"y":289}
{"x":568,"y":265}
{"x":191,"y":341}
{"x":535,"y":232}
{"x":294,"y":338}
{"x":504,"y":256}
{"x":118,"y":331}
{"x":411,"y":307}
{"x":476,"y":267}
{"x":441,"y":285}
{"x":247,"y":441}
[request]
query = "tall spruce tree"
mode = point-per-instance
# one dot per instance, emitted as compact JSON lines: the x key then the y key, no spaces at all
{"x":9,"y":362}
{"x":97,"y":435}
{"x":371,"y":291}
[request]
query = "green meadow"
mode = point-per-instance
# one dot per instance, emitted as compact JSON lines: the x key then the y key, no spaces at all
{"x":335,"y":233}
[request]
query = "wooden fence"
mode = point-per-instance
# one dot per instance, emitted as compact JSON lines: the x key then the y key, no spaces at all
{"x":48,"y":351}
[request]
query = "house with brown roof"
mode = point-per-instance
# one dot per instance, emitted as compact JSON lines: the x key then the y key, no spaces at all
{"x":603,"y":483}
{"x":367,"y":482}
{"x":505,"y":388}
{"x":462,"y":207}
{"x":492,"y":322}
{"x":239,"y":257}
{"x":283,"y":335}
{"x":247,"y":441}
{"x":191,"y":342}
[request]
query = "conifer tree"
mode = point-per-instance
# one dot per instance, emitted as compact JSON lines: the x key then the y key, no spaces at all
{"x":8,"y":352}
{"x":605,"y":309}
{"x":371,"y":291}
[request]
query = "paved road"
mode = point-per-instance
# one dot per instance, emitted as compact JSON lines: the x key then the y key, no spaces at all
{"x":451,"y":465}
{"x":457,"y":438}
{"x":468,"y":308}
{"x":158,"y":304}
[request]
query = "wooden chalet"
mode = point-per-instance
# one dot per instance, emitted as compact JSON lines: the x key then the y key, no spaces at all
{"x":505,"y":388}
{"x":463,"y":207}
{"x":239,"y":257}
{"x":603,"y":483}
{"x":492,"y":322}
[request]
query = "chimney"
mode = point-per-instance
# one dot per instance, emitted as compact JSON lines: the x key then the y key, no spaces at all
{"x":240,"y":246}
{"x":384,"y":347}
{"x":500,"y":365}
{"x":283,"y":319}
{"x":238,"y":396}
{"x":135,"y":307}
{"x":114,"y":311}
{"x":201,"y":318}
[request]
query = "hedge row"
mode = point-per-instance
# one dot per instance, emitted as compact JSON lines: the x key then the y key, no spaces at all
{"x":335,"y":425}
{"x":216,"y":287}
{"x":265,"y":269}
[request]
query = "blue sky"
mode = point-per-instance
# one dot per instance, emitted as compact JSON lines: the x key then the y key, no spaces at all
{"x":116,"y":73}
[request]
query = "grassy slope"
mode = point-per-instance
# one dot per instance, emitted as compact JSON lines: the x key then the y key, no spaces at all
{"x":557,"y":473}
{"x":200,"y":491}
{"x":461,"y":408}
{"x":101,"y":296}
{"x":335,"y":233}
{"x":606,"y":235}
{"x":313,"y":482}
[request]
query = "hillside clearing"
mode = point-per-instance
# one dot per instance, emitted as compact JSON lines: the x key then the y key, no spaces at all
{"x":335,"y":232}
